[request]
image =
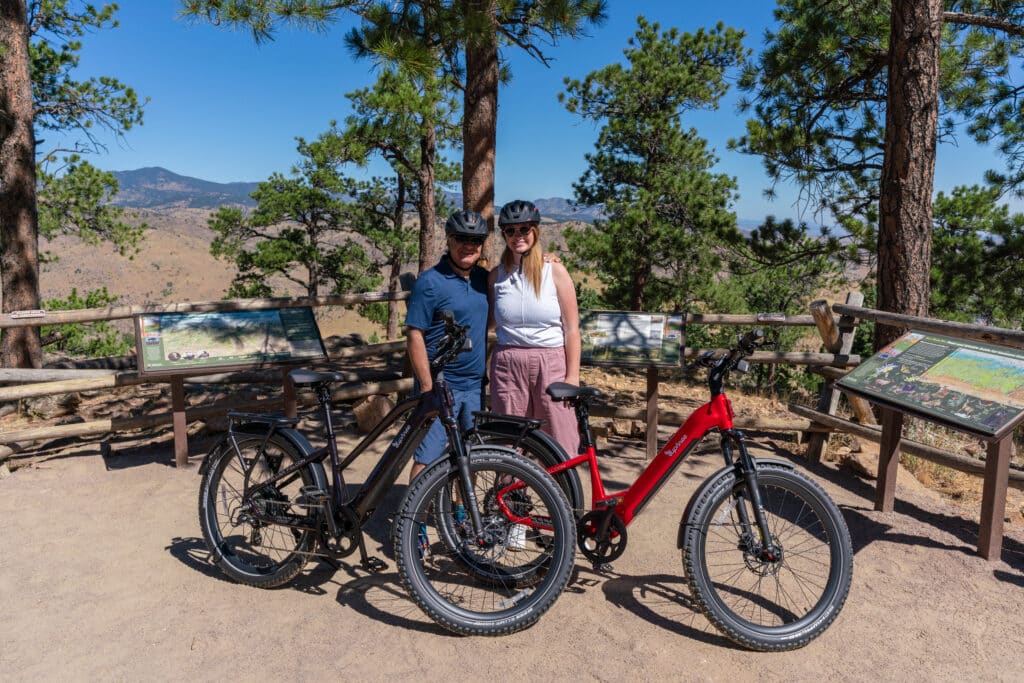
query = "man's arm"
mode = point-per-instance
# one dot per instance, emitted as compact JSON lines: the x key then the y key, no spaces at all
{"x":417,"y":350}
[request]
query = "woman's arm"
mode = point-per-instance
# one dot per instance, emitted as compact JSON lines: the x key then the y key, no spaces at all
{"x":492,"y":277}
{"x":566,"y":292}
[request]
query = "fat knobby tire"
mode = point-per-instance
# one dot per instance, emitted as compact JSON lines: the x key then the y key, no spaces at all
{"x":228,"y":540}
{"x":532,"y":592}
{"x":804,"y":500}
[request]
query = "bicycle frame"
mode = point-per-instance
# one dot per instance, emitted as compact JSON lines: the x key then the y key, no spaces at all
{"x":716,"y":414}
{"x":424,"y":408}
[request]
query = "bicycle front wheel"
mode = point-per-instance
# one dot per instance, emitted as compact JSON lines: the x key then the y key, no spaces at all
{"x":248,"y":550}
{"x":766,"y":603}
{"x":506,"y":579}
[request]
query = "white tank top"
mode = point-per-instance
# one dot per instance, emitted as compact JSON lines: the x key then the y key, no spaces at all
{"x":523,"y":318}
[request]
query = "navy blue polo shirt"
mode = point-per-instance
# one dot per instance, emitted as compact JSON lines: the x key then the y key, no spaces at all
{"x":442,"y":289}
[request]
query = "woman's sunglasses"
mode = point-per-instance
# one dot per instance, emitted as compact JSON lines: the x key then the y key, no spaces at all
{"x":516,"y":230}
{"x":475,"y":241}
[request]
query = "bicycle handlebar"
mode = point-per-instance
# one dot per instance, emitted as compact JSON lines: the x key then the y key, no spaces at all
{"x":452,"y":344}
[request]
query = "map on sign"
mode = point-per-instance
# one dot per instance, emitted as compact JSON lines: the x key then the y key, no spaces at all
{"x":169,"y":343}
{"x":626,"y":338}
{"x":971,"y":385}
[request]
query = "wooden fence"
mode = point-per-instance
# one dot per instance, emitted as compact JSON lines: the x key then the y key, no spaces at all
{"x":29,"y":383}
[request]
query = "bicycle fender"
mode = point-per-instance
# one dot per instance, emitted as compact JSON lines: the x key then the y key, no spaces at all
{"x":296,"y":438}
{"x":713,"y":480}
{"x":553,"y":453}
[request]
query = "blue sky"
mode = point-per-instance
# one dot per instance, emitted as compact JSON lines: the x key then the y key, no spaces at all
{"x":225,"y":109}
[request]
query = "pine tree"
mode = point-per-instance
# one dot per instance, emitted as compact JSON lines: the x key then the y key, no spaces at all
{"x":39,"y":46}
{"x":851,"y":98}
{"x":667,"y":212}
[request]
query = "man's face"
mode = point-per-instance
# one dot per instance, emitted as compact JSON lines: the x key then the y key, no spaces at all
{"x":465,"y":251}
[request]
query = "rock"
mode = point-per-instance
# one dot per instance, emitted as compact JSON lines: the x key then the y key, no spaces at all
{"x":46,"y":407}
{"x":217,"y":424}
{"x":862,"y":464}
{"x":619,"y":427}
{"x":5,"y":471}
{"x":370,"y":411}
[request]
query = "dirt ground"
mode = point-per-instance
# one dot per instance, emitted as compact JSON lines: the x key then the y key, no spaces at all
{"x":104,"y":576}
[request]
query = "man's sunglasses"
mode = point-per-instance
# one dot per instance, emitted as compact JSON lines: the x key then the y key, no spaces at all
{"x":516,"y":230}
{"x":465,"y":239}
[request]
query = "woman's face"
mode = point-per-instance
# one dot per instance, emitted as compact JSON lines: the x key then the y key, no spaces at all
{"x":519,"y":237}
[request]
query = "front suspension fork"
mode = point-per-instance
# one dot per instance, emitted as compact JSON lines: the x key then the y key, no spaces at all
{"x":751,"y":491}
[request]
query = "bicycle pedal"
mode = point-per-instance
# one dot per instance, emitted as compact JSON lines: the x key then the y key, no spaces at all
{"x":603,"y":567}
{"x":312,"y":494}
{"x":374,"y":564}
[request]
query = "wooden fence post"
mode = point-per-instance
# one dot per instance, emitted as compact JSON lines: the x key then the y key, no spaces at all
{"x":288,"y":393}
{"x":179,"y":421}
{"x":888,"y":459}
{"x":838,"y":340}
{"x":993,"y":498}
{"x":652,"y":411}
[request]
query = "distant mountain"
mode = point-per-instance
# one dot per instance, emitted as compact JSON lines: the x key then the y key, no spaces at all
{"x":561,"y":209}
{"x":158,"y":188}
{"x":155,"y":187}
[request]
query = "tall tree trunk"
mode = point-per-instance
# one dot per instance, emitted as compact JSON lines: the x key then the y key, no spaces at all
{"x":395,"y":259}
{"x":426,"y":206}
{"x":908,"y":172}
{"x":19,"y":221}
{"x":480,"y":117}
{"x":394,"y":285}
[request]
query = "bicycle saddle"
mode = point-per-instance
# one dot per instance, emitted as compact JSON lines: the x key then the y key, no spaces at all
{"x":315,"y":377}
{"x":562,"y":391}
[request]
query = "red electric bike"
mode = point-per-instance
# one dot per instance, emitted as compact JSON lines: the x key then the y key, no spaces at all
{"x":766,"y":552}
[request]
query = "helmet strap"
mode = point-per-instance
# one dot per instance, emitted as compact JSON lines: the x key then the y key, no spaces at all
{"x":464,"y":272}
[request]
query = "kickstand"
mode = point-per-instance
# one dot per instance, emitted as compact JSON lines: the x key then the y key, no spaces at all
{"x":330,"y":562}
{"x":370,"y":564}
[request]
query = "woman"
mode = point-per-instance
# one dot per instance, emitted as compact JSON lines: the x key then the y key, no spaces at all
{"x":533,"y":306}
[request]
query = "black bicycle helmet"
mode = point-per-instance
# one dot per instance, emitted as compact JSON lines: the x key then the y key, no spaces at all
{"x":466,"y":223}
{"x":519,"y":211}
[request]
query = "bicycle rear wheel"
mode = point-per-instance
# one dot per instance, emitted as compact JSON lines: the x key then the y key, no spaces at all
{"x":504,"y":582}
{"x":769,"y":604}
{"x":248,"y":550}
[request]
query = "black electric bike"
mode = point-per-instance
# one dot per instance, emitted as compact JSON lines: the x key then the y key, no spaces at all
{"x":267,"y":505}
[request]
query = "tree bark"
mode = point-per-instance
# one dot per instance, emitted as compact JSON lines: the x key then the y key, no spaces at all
{"x":480,"y":119}
{"x":395,"y":260}
{"x":908,"y":171}
{"x":427,"y":203}
{"x":19,"y":221}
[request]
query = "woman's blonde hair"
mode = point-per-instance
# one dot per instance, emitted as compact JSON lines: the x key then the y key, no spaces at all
{"x":532,"y":263}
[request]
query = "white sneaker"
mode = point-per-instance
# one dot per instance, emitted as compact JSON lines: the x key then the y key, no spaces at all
{"x":516,"y":537}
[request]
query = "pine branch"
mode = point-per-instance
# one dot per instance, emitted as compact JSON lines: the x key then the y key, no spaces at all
{"x":963,"y":19}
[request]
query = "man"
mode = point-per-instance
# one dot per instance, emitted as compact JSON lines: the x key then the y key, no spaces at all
{"x":459,"y":285}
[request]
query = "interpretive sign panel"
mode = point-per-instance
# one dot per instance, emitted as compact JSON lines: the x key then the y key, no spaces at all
{"x":972,"y":386}
{"x":173,"y":343}
{"x":628,"y":338}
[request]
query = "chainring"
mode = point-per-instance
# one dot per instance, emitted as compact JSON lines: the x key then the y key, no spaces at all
{"x":601,"y":548}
